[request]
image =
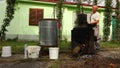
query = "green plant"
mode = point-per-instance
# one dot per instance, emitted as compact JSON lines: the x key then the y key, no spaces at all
{"x":64,"y":45}
{"x":59,"y":9}
{"x":109,"y":44}
{"x":117,"y":26}
{"x":95,"y":2}
{"x":10,"y":10}
{"x":107,"y":19}
{"x":77,"y":12}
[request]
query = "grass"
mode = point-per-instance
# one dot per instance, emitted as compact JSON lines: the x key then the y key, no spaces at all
{"x":54,"y":64}
{"x":109,"y":44}
{"x":18,"y":46}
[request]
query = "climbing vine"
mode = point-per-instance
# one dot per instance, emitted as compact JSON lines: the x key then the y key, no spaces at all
{"x":117,"y":25}
{"x":59,"y":9}
{"x":95,"y":2}
{"x":77,"y":12}
{"x":10,"y":10}
{"x":107,"y":19}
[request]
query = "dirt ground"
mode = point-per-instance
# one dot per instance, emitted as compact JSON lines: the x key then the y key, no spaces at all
{"x":105,"y":58}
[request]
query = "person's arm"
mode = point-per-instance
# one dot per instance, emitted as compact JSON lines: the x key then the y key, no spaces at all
{"x":95,"y":22}
{"x":96,"y":19}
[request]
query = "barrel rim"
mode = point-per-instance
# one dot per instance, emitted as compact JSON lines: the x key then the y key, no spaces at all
{"x":49,"y":19}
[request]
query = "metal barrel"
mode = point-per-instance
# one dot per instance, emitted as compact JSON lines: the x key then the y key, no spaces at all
{"x":48,"y":32}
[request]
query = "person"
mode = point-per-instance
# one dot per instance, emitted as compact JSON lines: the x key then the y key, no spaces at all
{"x":94,"y":20}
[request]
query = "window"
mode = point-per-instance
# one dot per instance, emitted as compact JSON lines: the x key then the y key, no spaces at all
{"x":35,"y":15}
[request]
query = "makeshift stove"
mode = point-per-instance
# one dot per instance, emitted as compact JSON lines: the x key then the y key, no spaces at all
{"x":82,"y":37}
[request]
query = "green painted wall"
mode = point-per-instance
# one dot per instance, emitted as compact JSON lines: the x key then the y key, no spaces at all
{"x":20,"y":24}
{"x":2,"y":11}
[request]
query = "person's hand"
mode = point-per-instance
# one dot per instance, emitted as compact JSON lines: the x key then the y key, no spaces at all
{"x":92,"y":22}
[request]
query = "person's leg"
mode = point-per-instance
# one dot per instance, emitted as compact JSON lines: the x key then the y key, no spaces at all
{"x":97,"y":37}
{"x":97,"y":44}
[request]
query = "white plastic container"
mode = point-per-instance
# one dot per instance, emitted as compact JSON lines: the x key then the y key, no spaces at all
{"x":6,"y":51}
{"x":53,"y":52}
{"x":33,"y":51}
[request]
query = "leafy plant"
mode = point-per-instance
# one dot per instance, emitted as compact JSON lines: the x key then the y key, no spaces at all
{"x":60,"y":16}
{"x":95,"y":2}
{"x":107,"y":19}
{"x":117,"y":26}
{"x":77,"y":12}
{"x":10,"y":10}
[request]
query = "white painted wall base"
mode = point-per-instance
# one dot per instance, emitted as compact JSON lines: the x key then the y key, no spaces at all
{"x":23,"y":37}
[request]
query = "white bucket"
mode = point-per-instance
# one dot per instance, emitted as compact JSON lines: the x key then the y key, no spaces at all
{"x":6,"y":51}
{"x":53,"y":52}
{"x":33,"y":51}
